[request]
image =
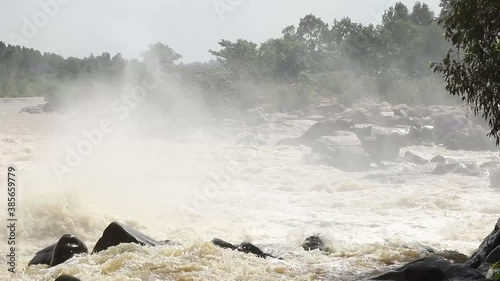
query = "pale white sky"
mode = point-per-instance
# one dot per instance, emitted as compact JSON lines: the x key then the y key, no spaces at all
{"x":191,"y":27}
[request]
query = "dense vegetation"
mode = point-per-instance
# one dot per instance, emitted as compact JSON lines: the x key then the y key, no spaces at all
{"x":471,"y":68}
{"x":314,"y":59}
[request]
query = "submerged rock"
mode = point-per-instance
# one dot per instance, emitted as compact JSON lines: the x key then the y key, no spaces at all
{"x":342,"y":151}
{"x":223,"y":244}
{"x":245,"y":247}
{"x":414,"y":158}
{"x":313,"y":243}
{"x":438,"y":159}
{"x":67,"y":246}
{"x":117,"y":233}
{"x":456,"y":168}
{"x":432,"y":269}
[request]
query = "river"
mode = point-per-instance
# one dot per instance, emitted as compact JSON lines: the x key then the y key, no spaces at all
{"x":193,"y":184}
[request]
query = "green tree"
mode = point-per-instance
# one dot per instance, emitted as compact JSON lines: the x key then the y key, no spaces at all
{"x":421,"y":14}
{"x":161,"y":54}
{"x":470,"y":69}
{"x":240,"y":57}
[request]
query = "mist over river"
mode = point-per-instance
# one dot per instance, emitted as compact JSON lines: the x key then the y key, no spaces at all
{"x":227,"y":179}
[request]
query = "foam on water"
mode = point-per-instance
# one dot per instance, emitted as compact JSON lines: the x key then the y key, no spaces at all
{"x":199,"y":184}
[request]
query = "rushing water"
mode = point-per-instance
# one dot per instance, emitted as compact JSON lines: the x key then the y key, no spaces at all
{"x":191,"y":185}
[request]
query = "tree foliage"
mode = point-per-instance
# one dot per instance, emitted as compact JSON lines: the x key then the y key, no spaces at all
{"x":470,"y":69}
{"x":310,"y":60}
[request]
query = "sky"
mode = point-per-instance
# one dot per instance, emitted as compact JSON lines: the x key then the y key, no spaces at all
{"x":191,"y":27}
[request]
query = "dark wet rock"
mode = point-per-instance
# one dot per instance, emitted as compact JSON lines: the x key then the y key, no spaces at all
{"x":488,"y":247}
{"x":342,"y":151}
{"x":495,"y":178}
{"x":438,"y":159}
{"x":223,"y":244}
{"x":453,"y":256}
{"x":326,"y":128}
{"x":245,"y":247}
{"x":117,"y":233}
{"x":67,"y":246}
{"x":432,"y":269}
{"x":456,"y":168}
{"x":313,"y":243}
{"x":67,"y":278}
{"x":249,"y":248}
{"x":414,"y":158}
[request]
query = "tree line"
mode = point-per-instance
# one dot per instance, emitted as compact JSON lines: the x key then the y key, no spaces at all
{"x":310,"y":60}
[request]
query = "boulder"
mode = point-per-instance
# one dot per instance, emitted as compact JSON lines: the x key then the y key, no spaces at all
{"x":67,"y":278}
{"x":488,"y":251}
{"x":471,"y":139}
{"x":456,"y":168}
{"x":385,"y":143}
{"x":223,"y":244}
{"x":67,"y":246}
{"x":438,"y":159}
{"x":313,"y":243}
{"x":432,"y":268}
{"x":343,"y":151}
{"x":245,"y":247}
{"x":117,"y":233}
{"x":381,"y":148}
{"x":326,"y":128}
{"x":414,"y":158}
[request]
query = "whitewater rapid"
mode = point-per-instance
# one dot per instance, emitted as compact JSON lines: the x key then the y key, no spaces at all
{"x":190,"y":185}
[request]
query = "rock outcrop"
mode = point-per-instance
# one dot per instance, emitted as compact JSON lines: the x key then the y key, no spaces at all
{"x":117,"y":233}
{"x":245,"y":247}
{"x":67,"y":246}
{"x":432,"y":269}
{"x":343,"y":151}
